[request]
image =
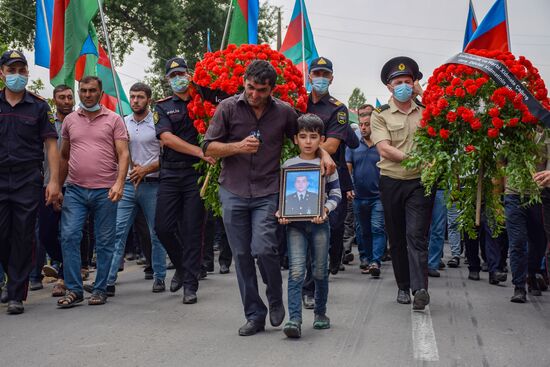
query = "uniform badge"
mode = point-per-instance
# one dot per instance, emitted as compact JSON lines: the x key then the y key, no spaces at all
{"x":156,"y":117}
{"x":342,"y":118}
{"x":401,"y":67}
{"x":15,"y":55}
{"x":321,"y":61}
{"x":51,"y":117}
{"x":174,"y":65}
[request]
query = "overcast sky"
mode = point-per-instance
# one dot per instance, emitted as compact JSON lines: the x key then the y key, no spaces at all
{"x":359,"y":36}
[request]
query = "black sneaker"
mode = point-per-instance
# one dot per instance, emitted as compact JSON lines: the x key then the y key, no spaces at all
{"x":293,"y":329}
{"x":158,"y":286}
{"x":520,"y":296}
{"x":441,"y":265}
{"x":348,"y":258}
{"x":4,"y":294}
{"x":35,"y":285}
{"x":474,"y":275}
{"x":434,"y":273}
{"x":454,"y":262}
{"x":421,"y":299}
{"x":110,"y":292}
{"x":403,"y":296}
{"x":309,"y":302}
{"x":321,"y":322}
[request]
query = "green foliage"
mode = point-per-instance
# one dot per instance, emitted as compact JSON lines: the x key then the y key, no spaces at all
{"x":356,"y":99}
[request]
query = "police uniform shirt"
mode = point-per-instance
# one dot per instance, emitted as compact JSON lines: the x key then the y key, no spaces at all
{"x":335,"y":117}
{"x":171,"y":116}
{"x":389,"y":123}
{"x":23,"y":129}
{"x":302,"y":203}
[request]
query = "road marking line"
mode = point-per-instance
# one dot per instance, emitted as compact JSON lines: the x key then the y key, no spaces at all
{"x":423,"y":336}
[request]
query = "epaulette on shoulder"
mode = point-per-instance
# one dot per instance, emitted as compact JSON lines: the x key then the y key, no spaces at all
{"x":382,"y":108}
{"x":163,"y":99}
{"x":417,"y":101}
{"x":334,"y":101}
{"x":37,"y":96}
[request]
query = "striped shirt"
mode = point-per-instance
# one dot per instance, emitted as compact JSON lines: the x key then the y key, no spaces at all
{"x":333,"y":194}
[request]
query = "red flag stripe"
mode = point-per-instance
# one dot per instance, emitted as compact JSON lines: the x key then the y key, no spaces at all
{"x":57,"y":54}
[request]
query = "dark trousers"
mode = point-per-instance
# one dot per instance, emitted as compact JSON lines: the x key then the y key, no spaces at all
{"x":179,"y":221}
{"x":48,"y":232}
{"x":485,"y":242}
{"x":407,"y":215}
{"x":215,"y":234}
{"x":87,"y":244}
{"x":19,"y":199}
{"x":526,"y":237}
{"x":141,"y":230}
{"x":336,"y":219}
{"x":251,"y":228}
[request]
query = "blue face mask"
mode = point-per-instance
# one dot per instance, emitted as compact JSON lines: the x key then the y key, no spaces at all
{"x":94,"y":108}
{"x":320,"y":85}
{"x":179,"y":83}
{"x":402,"y":92}
{"x":16,"y":82}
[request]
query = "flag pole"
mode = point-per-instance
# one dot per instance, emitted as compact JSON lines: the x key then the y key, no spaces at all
{"x":303,"y":41}
{"x":45,"y":17}
{"x":225,"y":30}
{"x":109,"y":54}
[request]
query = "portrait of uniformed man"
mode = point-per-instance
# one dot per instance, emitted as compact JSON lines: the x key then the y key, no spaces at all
{"x":302,"y":201}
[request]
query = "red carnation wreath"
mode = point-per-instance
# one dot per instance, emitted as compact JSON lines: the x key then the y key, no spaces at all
{"x":470,"y":126}
{"x":220,"y":74}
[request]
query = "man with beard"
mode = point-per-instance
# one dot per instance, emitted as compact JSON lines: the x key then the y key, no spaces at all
{"x":141,"y":186}
{"x":26,"y":126}
{"x":367,"y":206}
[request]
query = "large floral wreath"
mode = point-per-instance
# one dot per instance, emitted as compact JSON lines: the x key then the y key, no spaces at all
{"x":220,"y":74}
{"x":474,"y":132}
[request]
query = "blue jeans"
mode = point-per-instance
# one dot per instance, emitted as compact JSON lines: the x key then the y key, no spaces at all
{"x":78,"y":202}
{"x":437,"y":231}
{"x":301,"y":238}
{"x":146,"y":197}
{"x":526,"y":238}
{"x":453,"y":231}
{"x":371,"y":236}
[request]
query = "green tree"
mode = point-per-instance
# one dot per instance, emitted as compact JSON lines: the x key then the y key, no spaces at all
{"x":356,"y":99}
{"x":3,"y":48}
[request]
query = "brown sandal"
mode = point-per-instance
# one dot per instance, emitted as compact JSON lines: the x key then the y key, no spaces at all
{"x":97,"y":299}
{"x":59,"y":289}
{"x":70,"y":299}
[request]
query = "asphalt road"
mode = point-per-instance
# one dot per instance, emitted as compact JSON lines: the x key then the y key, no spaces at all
{"x":467,"y":324}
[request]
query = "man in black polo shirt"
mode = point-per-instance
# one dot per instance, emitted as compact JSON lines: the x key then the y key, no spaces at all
{"x":26,"y":125}
{"x":248,"y":132}
{"x":179,"y":214}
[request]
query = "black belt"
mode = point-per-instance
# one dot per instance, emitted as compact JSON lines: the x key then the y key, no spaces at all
{"x":150,"y":179}
{"x":21,"y":167}
{"x":177,"y":165}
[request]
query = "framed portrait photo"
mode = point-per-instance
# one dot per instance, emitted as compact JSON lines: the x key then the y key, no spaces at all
{"x":301,"y":193}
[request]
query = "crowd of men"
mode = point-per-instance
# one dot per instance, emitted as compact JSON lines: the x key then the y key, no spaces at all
{"x":75,"y":184}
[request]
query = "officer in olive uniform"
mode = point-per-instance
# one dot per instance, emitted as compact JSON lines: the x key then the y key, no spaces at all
{"x":338,"y":134}
{"x":180,"y":211}
{"x":407,"y":211}
{"x":26,"y":126}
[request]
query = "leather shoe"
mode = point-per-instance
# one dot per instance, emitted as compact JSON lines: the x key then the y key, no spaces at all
{"x":276,"y":314}
{"x":250,"y":328}
{"x":176,"y":283}
{"x":421,"y":299}
{"x":189,"y":297}
{"x":474,"y":275}
{"x":158,"y":286}
{"x":15,"y":308}
{"x":224,"y":269}
{"x":433,"y":273}
{"x":4,"y":294}
{"x":309,"y":302}
{"x":520,"y":296}
{"x":403,"y":296}
{"x":36,"y":285}
{"x":454,"y":262}
{"x":110,"y":291}
{"x":364,"y":264}
{"x":203,"y":274}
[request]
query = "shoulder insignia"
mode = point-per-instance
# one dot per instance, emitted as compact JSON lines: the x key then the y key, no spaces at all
{"x":335,"y":102}
{"x":156,"y":117}
{"x":51,"y":117}
{"x":163,"y":99}
{"x":417,"y":101}
{"x":37,"y":96}
{"x":341,"y":117}
{"x":382,"y":108}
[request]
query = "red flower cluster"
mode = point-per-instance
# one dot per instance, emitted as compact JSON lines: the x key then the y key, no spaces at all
{"x":224,"y":70}
{"x":458,"y":94}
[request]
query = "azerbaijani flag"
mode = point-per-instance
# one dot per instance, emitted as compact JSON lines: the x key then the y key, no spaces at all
{"x":109,"y":98}
{"x":43,"y":37}
{"x":471,"y":25}
{"x":299,"y":45}
{"x":492,"y":33}
{"x":378,"y":104}
{"x":244,"y":22}
{"x":71,"y":30}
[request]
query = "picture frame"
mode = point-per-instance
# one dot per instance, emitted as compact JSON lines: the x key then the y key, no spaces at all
{"x":301,"y":194}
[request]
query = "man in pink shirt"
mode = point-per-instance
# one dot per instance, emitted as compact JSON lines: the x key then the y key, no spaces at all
{"x":94,"y":155}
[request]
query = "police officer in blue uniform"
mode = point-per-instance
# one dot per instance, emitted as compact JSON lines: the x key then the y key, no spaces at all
{"x":180,"y":212}
{"x":26,"y":126}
